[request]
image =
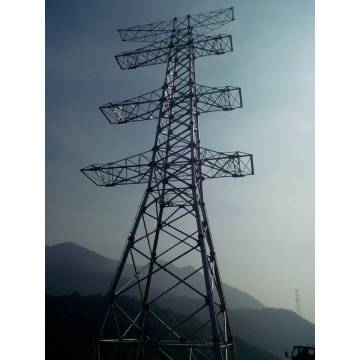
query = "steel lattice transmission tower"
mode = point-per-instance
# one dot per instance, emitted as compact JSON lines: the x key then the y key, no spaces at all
{"x":171,"y":226}
{"x":297,"y":302}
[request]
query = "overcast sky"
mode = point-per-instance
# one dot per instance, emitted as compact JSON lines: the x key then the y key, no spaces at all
{"x":263,"y":225}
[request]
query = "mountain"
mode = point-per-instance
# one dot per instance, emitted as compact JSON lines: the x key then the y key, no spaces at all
{"x":275,"y":330}
{"x":70,"y":267}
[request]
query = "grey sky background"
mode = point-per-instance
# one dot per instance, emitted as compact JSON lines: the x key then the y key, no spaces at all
{"x":263,"y":225}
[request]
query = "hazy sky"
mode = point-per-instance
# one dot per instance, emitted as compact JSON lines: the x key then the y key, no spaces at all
{"x":263,"y":225}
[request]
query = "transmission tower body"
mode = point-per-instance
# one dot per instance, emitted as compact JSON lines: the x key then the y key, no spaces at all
{"x":297,"y":302}
{"x":171,"y":226}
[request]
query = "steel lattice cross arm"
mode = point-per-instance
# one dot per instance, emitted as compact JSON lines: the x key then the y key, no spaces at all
{"x":147,"y":106}
{"x":158,"y":53}
{"x":143,"y":107}
{"x":132,"y":170}
{"x":136,"y":169}
{"x":215,"y":164}
{"x":211,"y":99}
{"x":202,"y":24}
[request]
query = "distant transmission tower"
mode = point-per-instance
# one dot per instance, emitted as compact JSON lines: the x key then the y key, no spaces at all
{"x":297,"y":301}
{"x":171,"y":226}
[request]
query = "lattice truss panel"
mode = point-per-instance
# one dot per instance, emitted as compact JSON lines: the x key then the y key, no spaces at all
{"x":172,"y":314}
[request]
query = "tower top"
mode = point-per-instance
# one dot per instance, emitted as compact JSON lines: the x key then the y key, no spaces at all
{"x":202,"y":24}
